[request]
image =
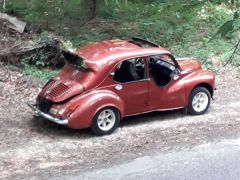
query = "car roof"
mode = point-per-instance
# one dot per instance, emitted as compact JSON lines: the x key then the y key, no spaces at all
{"x":108,"y":53}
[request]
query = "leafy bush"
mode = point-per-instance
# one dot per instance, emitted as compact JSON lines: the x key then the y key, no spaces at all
{"x":44,"y":52}
{"x":41,"y":73}
{"x":49,"y":14}
{"x":185,"y":27}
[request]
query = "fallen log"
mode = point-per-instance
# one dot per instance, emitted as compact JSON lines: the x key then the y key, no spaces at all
{"x":16,"y":24}
{"x":46,"y":52}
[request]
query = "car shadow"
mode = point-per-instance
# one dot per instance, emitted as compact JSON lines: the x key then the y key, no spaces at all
{"x":151,"y":117}
{"x":45,"y":127}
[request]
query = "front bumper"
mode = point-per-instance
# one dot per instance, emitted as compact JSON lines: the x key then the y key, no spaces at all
{"x":47,"y":116}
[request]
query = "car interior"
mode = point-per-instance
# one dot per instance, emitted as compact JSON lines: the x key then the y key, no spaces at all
{"x":130,"y":70}
{"x":161,"y":70}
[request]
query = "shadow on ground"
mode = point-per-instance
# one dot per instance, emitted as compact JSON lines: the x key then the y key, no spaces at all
{"x":43,"y":126}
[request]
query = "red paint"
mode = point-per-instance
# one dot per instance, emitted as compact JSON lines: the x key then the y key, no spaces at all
{"x":87,"y":92}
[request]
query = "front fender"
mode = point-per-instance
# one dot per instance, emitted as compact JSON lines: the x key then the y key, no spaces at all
{"x":202,"y":78}
{"x":89,"y":104}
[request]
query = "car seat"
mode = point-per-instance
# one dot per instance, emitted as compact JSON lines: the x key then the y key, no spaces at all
{"x":126,"y":73}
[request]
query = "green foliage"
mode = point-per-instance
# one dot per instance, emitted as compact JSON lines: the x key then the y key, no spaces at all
{"x":76,"y":61}
{"x":41,"y":73}
{"x":49,"y":14}
{"x":185,"y":27}
{"x":41,"y":56}
{"x":16,"y":6}
{"x":45,"y":52}
{"x":229,"y":26}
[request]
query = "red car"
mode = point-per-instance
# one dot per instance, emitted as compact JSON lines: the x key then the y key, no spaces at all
{"x":105,"y":81}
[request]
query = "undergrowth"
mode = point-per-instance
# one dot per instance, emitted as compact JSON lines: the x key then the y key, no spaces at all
{"x":42,"y":73}
{"x":184,"y":27}
{"x":188,"y":32}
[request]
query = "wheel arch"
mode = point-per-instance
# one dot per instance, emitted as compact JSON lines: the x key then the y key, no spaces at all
{"x":117,"y":108}
{"x":91,"y":104}
{"x":205,"y":85}
{"x":190,"y":88}
{"x":201,"y":103}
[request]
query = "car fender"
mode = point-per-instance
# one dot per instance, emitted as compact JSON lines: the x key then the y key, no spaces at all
{"x":202,"y":78}
{"x":89,"y":104}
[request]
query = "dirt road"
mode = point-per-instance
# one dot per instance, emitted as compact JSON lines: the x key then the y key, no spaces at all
{"x":31,"y":148}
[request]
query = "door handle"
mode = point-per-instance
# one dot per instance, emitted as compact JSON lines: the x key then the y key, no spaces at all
{"x":118,"y":87}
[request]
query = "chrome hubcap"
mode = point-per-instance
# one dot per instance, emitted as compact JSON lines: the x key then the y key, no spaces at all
{"x":106,"y":119}
{"x":200,"y":102}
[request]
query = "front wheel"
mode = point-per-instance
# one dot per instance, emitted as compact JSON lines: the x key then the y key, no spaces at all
{"x":199,"y":101}
{"x":105,"y":121}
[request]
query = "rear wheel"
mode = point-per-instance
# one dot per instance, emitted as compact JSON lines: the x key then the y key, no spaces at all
{"x":105,"y":121}
{"x":199,"y":101}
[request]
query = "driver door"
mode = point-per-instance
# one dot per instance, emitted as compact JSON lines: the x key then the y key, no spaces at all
{"x":171,"y":93}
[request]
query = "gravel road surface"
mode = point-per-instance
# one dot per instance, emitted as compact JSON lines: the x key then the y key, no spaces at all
{"x":36,"y":149}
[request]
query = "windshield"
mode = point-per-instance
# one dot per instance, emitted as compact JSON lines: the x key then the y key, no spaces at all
{"x":75,"y":60}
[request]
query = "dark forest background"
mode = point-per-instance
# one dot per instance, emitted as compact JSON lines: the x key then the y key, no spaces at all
{"x":205,"y":29}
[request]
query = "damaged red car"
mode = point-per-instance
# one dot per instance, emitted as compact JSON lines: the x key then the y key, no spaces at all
{"x":106,"y":81}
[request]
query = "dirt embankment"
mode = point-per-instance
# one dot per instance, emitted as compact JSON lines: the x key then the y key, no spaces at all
{"x":37,"y":148}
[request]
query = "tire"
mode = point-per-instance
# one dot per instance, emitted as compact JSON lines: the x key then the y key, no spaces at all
{"x":199,"y":101}
{"x":105,"y":121}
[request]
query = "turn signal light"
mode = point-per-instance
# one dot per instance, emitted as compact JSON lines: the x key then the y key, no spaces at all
{"x":71,"y":109}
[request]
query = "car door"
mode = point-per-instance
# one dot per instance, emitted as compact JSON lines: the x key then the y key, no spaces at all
{"x":166,"y":90}
{"x":131,"y":85}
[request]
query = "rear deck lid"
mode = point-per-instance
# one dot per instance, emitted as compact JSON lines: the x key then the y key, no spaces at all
{"x":58,"y":91}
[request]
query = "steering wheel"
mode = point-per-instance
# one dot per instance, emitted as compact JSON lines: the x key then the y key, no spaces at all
{"x":139,"y":64}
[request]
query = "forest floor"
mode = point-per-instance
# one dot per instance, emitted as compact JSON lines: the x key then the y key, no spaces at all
{"x":36,"y":148}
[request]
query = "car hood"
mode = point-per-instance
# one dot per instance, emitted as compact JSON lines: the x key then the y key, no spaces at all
{"x":188,"y":64}
{"x":59,"y":90}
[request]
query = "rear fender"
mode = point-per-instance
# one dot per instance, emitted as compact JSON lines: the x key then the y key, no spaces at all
{"x":89,"y":104}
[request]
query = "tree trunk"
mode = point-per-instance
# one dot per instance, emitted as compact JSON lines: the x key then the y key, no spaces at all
{"x":4,"y":5}
{"x":88,"y":9}
{"x":234,"y":3}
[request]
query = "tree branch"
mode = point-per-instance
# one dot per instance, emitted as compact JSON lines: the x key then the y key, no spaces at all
{"x":233,"y":54}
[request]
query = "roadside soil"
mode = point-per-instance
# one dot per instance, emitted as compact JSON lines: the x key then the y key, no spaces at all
{"x":36,"y":148}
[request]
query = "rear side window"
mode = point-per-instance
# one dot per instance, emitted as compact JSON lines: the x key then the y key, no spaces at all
{"x":130,"y":70}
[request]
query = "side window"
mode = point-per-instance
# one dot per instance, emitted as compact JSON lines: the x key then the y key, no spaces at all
{"x":130,"y":70}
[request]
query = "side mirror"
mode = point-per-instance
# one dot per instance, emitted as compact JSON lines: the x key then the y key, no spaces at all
{"x":176,"y":74}
{"x":112,"y":74}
